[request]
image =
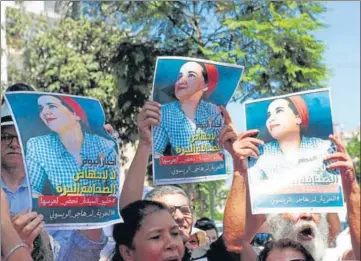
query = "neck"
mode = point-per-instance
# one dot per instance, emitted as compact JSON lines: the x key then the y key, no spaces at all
{"x":190,"y":106}
{"x":72,"y":140}
{"x":290,"y":143}
{"x":13,"y":176}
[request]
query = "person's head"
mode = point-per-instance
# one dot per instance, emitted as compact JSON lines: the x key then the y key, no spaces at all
{"x":178,"y":204}
{"x":194,"y":79}
{"x":310,"y":230}
{"x":148,"y":233}
{"x":198,"y":238}
{"x":11,"y":155}
{"x":17,"y":87}
{"x":287,"y":116}
{"x":284,"y":250}
{"x":61,"y":114}
{"x":209,"y":227}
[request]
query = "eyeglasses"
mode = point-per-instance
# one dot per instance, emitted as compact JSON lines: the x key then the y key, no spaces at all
{"x":185,"y":209}
{"x":8,"y":138}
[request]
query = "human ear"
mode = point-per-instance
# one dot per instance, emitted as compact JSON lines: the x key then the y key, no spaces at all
{"x":77,"y":117}
{"x":206,"y":88}
{"x":126,"y":253}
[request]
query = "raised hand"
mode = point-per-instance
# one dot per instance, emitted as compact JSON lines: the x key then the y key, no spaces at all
{"x":148,"y":116}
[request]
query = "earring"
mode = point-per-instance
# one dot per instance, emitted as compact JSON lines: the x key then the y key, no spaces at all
{"x":299,"y":121}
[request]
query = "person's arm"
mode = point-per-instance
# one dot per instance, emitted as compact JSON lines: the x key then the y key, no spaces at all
{"x":344,"y":163}
{"x":134,"y":181}
{"x":11,"y":244}
{"x":335,"y":227}
{"x":239,"y":224}
{"x":79,"y":245}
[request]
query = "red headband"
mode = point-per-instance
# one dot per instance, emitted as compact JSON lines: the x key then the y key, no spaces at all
{"x":302,"y":110}
{"x":212,"y":77}
{"x":78,"y":110}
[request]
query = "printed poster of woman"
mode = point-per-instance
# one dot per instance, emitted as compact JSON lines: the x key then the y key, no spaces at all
{"x":68,"y":155}
{"x":290,"y":173}
{"x":191,"y":92}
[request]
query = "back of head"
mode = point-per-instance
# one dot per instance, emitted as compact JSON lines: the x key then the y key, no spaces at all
{"x":205,"y":223}
{"x":284,"y":244}
{"x":133,"y":216}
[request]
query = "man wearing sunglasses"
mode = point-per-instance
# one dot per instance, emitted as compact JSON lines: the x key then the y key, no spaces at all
{"x":309,"y":229}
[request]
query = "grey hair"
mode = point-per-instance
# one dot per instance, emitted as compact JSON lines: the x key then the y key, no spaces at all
{"x":161,"y":191}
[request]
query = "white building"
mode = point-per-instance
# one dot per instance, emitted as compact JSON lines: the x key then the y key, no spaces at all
{"x":8,"y":55}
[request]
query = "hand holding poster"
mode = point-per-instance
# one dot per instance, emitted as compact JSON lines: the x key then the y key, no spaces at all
{"x":185,"y":143}
{"x":71,"y":162}
{"x":290,"y":173}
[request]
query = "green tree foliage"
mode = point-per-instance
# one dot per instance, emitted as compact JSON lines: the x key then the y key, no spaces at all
{"x":353,"y":147}
{"x":107,"y":50}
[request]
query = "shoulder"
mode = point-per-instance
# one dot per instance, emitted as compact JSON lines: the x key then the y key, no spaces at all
{"x":41,"y":141}
{"x":321,"y":144}
{"x":209,"y":106}
{"x":99,"y":141}
{"x":171,"y":106}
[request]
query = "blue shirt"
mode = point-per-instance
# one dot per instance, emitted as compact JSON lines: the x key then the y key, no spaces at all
{"x":69,"y":245}
{"x":183,"y":136}
{"x":272,"y":163}
{"x":19,"y":200}
{"x":48,"y":162}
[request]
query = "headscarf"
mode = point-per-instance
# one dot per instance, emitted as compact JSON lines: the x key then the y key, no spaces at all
{"x":302,"y":110}
{"x":212,"y":73}
{"x":78,"y":110}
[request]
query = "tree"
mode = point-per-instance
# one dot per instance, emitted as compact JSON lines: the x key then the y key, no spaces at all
{"x":107,"y":50}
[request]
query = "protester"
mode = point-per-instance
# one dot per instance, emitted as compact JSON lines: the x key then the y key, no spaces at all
{"x":198,"y":238}
{"x":284,"y":250}
{"x":311,"y":230}
{"x":68,"y":144}
{"x":12,"y":247}
{"x":65,"y":245}
{"x":209,"y":227}
{"x":175,"y":198}
{"x":148,"y":233}
{"x":180,"y":120}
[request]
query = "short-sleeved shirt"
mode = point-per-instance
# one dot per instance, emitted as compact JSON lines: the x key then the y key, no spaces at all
{"x":48,"y":162}
{"x":179,"y":131}
{"x":272,"y":163}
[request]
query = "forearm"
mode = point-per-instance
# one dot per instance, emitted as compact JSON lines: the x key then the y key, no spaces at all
{"x":134,"y":181}
{"x":9,"y":239}
{"x":352,"y":197}
{"x":236,"y":210}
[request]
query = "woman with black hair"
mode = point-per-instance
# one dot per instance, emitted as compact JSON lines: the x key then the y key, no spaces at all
{"x":148,"y":233}
{"x":284,"y":250}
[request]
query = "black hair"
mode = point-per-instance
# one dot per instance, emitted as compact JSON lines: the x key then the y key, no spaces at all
{"x":204,"y":71}
{"x":18,"y":87}
{"x":292,"y":106}
{"x":205,"y":223}
{"x":283,"y":244}
{"x":42,"y":248}
{"x":133,"y":216}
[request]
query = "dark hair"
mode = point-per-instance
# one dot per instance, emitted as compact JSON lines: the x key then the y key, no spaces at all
{"x":161,"y":191}
{"x":133,"y":216}
{"x":205,"y":223}
{"x":204,"y":71}
{"x":18,"y":87}
{"x":42,"y":248}
{"x":282,"y":244}
{"x":292,"y":106}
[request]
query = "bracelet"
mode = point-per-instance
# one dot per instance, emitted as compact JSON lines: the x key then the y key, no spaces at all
{"x":16,"y":247}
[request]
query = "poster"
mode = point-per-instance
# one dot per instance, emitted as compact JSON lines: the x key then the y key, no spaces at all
{"x":185,"y":143}
{"x":290,"y":174}
{"x":71,"y":162}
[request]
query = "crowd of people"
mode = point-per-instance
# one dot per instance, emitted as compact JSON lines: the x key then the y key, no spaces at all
{"x":161,"y":226}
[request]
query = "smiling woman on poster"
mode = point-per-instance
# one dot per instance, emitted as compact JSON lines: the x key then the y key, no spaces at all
{"x":291,"y":152}
{"x":190,"y":125}
{"x":61,"y":160}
